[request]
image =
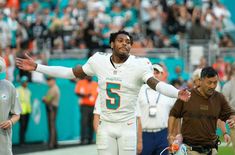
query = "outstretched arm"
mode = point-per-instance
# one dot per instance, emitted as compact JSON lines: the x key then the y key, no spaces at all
{"x":167,"y":89}
{"x":29,"y":64}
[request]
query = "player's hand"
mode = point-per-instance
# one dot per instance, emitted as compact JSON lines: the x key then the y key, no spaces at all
{"x":184,"y":95}
{"x":27,"y":64}
{"x":6,"y":124}
{"x":227,"y":138}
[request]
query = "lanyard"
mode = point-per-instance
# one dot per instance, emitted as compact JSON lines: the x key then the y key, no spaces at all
{"x":147,"y":97}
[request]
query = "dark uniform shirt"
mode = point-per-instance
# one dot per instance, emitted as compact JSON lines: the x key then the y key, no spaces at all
{"x":200,"y":116}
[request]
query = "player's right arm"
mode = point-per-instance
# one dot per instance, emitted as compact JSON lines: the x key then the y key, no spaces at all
{"x":96,"y":112}
{"x":29,"y":64}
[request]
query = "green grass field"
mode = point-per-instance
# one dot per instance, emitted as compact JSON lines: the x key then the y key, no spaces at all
{"x":225,"y":151}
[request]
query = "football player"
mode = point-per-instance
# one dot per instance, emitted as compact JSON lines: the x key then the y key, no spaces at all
{"x":120,"y":76}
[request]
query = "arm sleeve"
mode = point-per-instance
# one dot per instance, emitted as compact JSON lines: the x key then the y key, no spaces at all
{"x":167,"y":89}
{"x":56,"y":71}
{"x":88,"y":67}
{"x":15,"y":105}
{"x":177,"y":109}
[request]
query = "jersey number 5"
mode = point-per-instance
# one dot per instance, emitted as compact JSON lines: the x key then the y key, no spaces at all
{"x":114,"y":99}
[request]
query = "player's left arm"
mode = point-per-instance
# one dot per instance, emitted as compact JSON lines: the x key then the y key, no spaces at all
{"x":167,"y":89}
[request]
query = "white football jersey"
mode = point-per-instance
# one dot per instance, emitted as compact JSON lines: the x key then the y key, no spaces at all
{"x":119,"y":86}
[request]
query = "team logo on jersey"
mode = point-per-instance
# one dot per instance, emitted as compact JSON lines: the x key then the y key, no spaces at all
{"x":4,"y":97}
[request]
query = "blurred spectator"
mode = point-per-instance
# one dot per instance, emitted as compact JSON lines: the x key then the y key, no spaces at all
{"x":198,"y":31}
{"x":5,"y":33}
{"x":13,"y":25}
{"x":37,"y":33}
{"x":52,"y":101}
{"x":228,"y":91}
{"x":25,"y":102}
{"x":177,"y":83}
{"x":183,"y":19}
{"x":220,"y":67}
{"x":70,"y":24}
{"x":226,"y":41}
{"x":179,"y":74}
{"x":90,"y":37}
{"x":202,"y":62}
{"x":87,"y":90}
{"x":9,"y":58}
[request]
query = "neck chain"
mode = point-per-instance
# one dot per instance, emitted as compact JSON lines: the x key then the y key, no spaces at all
{"x":116,"y":65}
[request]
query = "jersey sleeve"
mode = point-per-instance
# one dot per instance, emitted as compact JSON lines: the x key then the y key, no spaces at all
{"x":97,"y":108}
{"x":147,"y":69}
{"x":89,"y":66}
{"x":15,"y":103}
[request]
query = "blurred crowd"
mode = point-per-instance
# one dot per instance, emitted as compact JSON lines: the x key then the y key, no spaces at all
{"x":64,"y":24}
{"x":39,"y":25}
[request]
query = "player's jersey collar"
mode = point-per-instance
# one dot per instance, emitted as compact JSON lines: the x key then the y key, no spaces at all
{"x":126,"y":62}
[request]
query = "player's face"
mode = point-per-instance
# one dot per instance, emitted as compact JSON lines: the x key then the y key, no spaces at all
{"x":208,"y":85}
{"x":121,"y":45}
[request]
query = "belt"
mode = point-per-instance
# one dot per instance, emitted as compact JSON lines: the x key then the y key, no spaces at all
{"x":201,"y":149}
{"x":153,"y":130}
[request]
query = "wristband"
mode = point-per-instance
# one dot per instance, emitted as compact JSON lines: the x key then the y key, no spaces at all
{"x":225,"y":133}
{"x":35,"y":67}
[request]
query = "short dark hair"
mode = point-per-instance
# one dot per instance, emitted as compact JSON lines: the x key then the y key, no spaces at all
{"x":208,"y":72}
{"x":114,"y":35}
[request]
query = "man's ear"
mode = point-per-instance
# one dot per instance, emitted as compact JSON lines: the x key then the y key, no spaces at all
{"x":111,"y":45}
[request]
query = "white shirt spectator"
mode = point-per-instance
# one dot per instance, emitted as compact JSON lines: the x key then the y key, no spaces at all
{"x":162,"y":105}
